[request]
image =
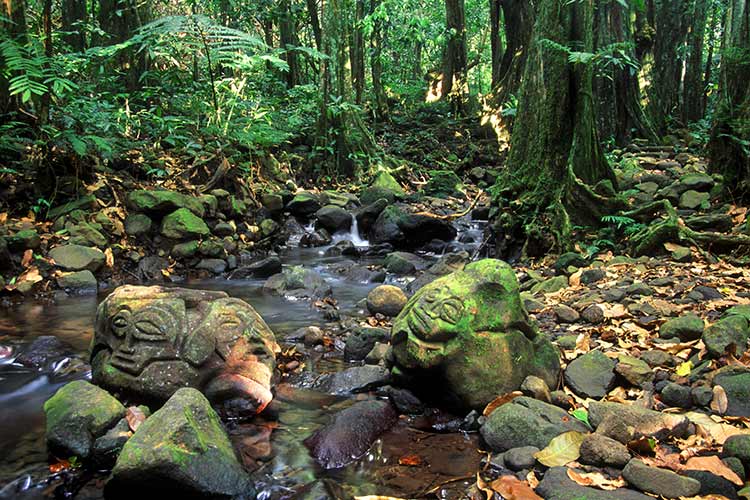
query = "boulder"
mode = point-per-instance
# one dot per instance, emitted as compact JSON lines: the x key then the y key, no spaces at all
{"x":662,"y":482}
{"x":730,"y":332}
{"x":692,"y":199}
{"x":334,"y":218}
{"x":264,"y":268}
{"x":527,"y":422}
{"x":443,"y":183}
{"x":350,"y":433}
{"x":304,"y":204}
{"x":470,"y":329}
{"x":686,"y":328}
{"x":368,"y":214}
{"x":362,"y":340}
{"x":182,"y":448}
{"x":162,"y":202}
{"x":297,"y":282}
{"x":387,"y":300}
{"x":591,"y":375}
{"x":403,"y":263}
{"x":81,"y":282}
{"x":77,"y":258}
{"x":404,"y":230}
{"x":385,"y":181}
{"x":150,"y":341}
{"x":214,"y":266}
{"x":138,"y":224}
{"x":183,"y":224}
{"x":87,"y":234}
{"x":353,"y":380}
{"x":77,"y":414}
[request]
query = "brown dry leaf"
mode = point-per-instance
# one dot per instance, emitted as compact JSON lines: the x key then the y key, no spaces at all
{"x":109,"y":258}
{"x":512,"y":488}
{"x":719,"y":431}
{"x":28,"y":256}
{"x":714,"y":465}
{"x":562,"y":449}
{"x":411,"y":460}
{"x":135,"y":417}
{"x":719,"y":403}
{"x":31,"y":274}
{"x":500,"y":401}
{"x":575,"y":278}
{"x":596,"y":479}
{"x":3,"y":217}
{"x":532,"y":480}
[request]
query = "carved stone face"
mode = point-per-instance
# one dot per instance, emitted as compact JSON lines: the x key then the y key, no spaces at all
{"x":150,"y":341}
{"x":471,"y":327}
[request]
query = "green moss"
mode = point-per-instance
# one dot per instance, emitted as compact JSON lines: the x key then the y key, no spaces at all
{"x":384,"y":180}
{"x":444,"y":183}
{"x":182,"y":223}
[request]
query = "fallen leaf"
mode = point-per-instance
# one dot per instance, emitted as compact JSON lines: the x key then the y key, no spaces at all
{"x":714,"y":465}
{"x":719,"y":403}
{"x":410,"y":460}
{"x":561,"y":450}
{"x":28,"y":256}
{"x":135,"y":417}
{"x":109,"y":258}
{"x":581,"y":414}
{"x":512,"y":488}
{"x":596,"y":479}
{"x":683,"y":369}
{"x":500,"y":401}
{"x":719,"y":431}
{"x":59,"y":466}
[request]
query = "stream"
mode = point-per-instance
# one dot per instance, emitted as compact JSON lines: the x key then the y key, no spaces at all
{"x":270,"y":446}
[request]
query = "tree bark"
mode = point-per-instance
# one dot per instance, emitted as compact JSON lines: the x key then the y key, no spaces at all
{"x":288,"y":38}
{"x":729,"y":147}
{"x":455,"y":85}
{"x":380,"y":107}
{"x":73,"y":13}
{"x":312,"y":9}
{"x":358,"y":52}
{"x":692,"y":106}
{"x":496,"y":41}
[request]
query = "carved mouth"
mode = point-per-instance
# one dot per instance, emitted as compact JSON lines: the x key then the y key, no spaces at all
{"x":125,"y":362}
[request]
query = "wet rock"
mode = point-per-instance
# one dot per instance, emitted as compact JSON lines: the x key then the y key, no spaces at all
{"x":536,"y":388}
{"x":676,"y":395}
{"x":593,"y":314}
{"x":272,"y":202}
{"x":214,"y":266}
{"x":442,"y":184}
{"x":77,"y":414}
{"x":224,"y":229}
{"x":659,"y":481}
{"x":634,"y":370}
{"x":557,"y":485}
{"x":350,"y":433}
{"x":42,"y":352}
{"x":692,"y":199}
{"x":368,"y":214}
{"x":591,"y":375}
{"x":590,"y":276}
{"x":520,"y":458}
{"x":79,"y":282}
{"x":185,"y":250}
{"x":318,"y":238}
{"x":212,"y":248}
{"x":264,"y":268}
{"x":138,"y":224}
{"x":361,"y":341}
{"x":736,"y":384}
{"x":87,"y":235}
{"x":403,"y":263}
{"x":686,"y":328}
{"x":730,"y":332}
{"x":401,"y":229}
{"x":371,"y":195}
{"x":183,"y":224}
{"x":471,"y":328}
{"x":304,"y":204}
{"x":334,"y":218}
{"x":107,"y":447}
{"x":569,"y":259}
{"x":181,"y":448}
{"x":23,"y":240}
{"x":151,"y":341}
{"x":355,"y":379}
{"x":526,"y":422}
{"x":268,"y":227}
{"x":162,"y":202}
{"x":566,"y":314}
{"x":298,"y":282}
{"x":599,"y":450}
{"x":387,"y":300}
{"x":378,"y":354}
{"x":612,"y":418}
{"x":404,"y":400}
{"x":150,"y":268}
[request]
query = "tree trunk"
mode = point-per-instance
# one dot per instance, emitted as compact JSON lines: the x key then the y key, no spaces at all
{"x":358,"y":52}
{"x":555,"y":149}
{"x":712,"y":39}
{"x":692,"y":106}
{"x":729,"y":146}
{"x":496,"y":41}
{"x":47,"y":26}
{"x":617,"y":90}
{"x":455,"y":83}
{"x":671,"y":23}
{"x":73,"y":13}
{"x":376,"y":64}
{"x":287,"y":35}
{"x":312,"y":9}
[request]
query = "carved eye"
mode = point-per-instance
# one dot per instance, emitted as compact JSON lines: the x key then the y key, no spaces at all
{"x":146,"y":330}
{"x":431,"y":295}
{"x":120,"y":323}
{"x":450,"y":311}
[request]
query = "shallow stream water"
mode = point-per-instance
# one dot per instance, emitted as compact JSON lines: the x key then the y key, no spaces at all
{"x":271,"y":447}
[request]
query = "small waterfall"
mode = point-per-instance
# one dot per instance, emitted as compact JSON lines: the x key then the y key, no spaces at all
{"x":354,"y":236}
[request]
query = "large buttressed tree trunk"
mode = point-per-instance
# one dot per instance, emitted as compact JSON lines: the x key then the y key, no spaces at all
{"x":555,"y":151}
{"x":618,"y":95}
{"x":730,"y":139}
{"x":518,"y":22}
{"x":692,"y":106}
{"x":671,"y":23}
{"x":455,"y":81}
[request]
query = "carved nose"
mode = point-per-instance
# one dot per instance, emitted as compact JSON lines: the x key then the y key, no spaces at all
{"x":399,"y":337}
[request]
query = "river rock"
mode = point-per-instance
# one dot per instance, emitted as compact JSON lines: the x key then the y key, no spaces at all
{"x":634,"y":370}
{"x":361,"y":341}
{"x":591,"y":375}
{"x":304,"y":204}
{"x":404,"y":230}
{"x":183,"y":224}
{"x":443,"y":183}
{"x":611,"y":418}
{"x":350,"y":433}
{"x":387,"y":300}
{"x":557,"y":485}
{"x":334,"y":218}
{"x":527,"y":422}
{"x":658,"y":481}
{"x":736,"y":384}
{"x":297,"y":282}
{"x":150,"y":341}
{"x":77,"y":414}
{"x":77,"y":258}
{"x":78,"y":282}
{"x":162,"y":202}
{"x":600,"y":450}
{"x":470,"y":329}
{"x":730,"y":332}
{"x":107,"y":447}
{"x":368,"y":214}
{"x":403,"y":263}
{"x":738,"y":446}
{"x":354,"y":379}
{"x":181,"y":448}
{"x":42,"y":352}
{"x":264,"y":268}
{"x":686,"y":328}
{"x":138,"y":224}
{"x":214,"y":266}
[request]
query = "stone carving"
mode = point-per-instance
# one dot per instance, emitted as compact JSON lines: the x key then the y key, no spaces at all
{"x":470,"y":328}
{"x":151,"y":341}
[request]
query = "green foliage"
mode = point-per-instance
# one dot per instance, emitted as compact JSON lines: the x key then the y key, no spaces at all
{"x":30,"y":73}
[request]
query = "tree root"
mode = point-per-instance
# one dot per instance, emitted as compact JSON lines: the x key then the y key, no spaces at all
{"x":673,"y":229}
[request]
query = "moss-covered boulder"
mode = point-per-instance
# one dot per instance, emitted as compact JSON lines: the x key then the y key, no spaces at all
{"x":183,"y":224}
{"x":443,"y":183}
{"x":161,"y":202}
{"x":138,"y":224}
{"x":686,"y":328}
{"x":384,"y":180}
{"x":304,"y":204}
{"x":77,"y":415}
{"x":470,"y":329}
{"x":731,"y":332}
{"x":87,"y":234}
{"x":23,"y":240}
{"x":77,"y":257}
{"x":333,"y":218}
{"x":405,"y":230}
{"x":181,"y":448}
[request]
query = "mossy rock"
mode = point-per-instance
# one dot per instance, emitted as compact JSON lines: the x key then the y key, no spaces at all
{"x":384,"y":180}
{"x":686,"y":328}
{"x":138,"y":224}
{"x":372,"y":194}
{"x":161,"y":202}
{"x":444,"y":183}
{"x":77,"y":257}
{"x":183,"y":224}
{"x":470,"y":328}
{"x":730,"y":332}
{"x":86,"y":233}
{"x":185,"y":250}
{"x":304,"y":204}
{"x":77,"y":414}
{"x":24,"y":240}
{"x":182,"y":447}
